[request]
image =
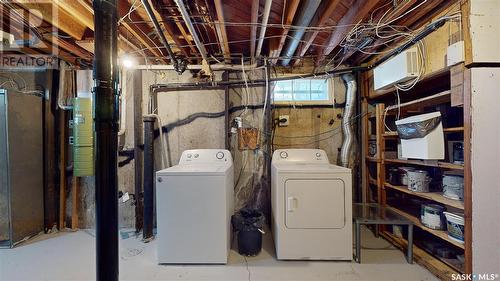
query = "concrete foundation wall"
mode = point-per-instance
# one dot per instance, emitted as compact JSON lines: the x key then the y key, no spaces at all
{"x":209,"y":133}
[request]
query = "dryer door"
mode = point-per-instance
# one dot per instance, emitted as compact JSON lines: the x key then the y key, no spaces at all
{"x":314,"y":203}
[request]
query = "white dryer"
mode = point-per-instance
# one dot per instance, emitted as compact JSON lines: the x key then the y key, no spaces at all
{"x":311,"y":206}
{"x":194,"y":204}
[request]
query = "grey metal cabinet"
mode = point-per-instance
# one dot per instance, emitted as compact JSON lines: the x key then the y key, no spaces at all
{"x":21,"y":167}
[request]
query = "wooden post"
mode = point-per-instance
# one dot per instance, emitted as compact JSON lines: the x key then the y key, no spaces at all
{"x":62,"y":167}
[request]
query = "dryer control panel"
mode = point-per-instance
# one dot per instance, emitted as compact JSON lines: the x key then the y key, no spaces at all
{"x":300,"y":155}
{"x":205,"y":156}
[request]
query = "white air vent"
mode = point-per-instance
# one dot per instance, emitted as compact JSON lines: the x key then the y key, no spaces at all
{"x":400,"y":68}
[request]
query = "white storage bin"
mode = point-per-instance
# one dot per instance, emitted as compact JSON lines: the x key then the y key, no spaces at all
{"x":429,"y":145}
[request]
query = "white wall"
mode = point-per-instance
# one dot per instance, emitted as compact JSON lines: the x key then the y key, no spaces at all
{"x":485,"y":170}
{"x":485,"y":30}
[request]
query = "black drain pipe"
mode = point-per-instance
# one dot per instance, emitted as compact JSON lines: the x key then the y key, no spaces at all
{"x":149,"y":126}
{"x":106,"y":139}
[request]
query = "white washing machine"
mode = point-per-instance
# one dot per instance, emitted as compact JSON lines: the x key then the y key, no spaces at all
{"x":311,"y":206}
{"x":194,"y":204}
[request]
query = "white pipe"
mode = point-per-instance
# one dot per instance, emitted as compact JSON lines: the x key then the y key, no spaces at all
{"x":214,"y":67}
{"x":63,"y":70}
{"x":123,"y":99}
{"x":189,"y":24}
{"x":263,"y":27}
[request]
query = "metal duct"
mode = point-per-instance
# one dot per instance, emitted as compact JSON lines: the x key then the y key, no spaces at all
{"x":350,"y":106}
{"x":106,"y":138}
{"x":303,"y":19}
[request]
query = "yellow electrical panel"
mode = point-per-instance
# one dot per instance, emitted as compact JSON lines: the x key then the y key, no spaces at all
{"x":83,"y":137}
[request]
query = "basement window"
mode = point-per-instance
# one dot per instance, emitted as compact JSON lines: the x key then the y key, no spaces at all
{"x":303,"y":91}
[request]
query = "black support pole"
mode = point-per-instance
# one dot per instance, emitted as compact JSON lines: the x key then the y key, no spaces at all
{"x":106,"y":139}
{"x":149,"y":126}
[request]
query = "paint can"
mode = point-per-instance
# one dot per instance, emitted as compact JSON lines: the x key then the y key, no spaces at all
{"x":418,"y":181}
{"x":453,"y":186}
{"x":455,"y":227}
{"x":432,"y":216}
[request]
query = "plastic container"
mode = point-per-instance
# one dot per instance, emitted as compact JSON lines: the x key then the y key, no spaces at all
{"x":453,"y":186}
{"x":432,"y":216}
{"x":455,"y":227}
{"x":418,"y":180}
{"x":249,"y":223}
{"x":422,"y":136}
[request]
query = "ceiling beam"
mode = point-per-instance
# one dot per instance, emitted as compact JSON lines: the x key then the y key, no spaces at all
{"x":58,"y":18}
{"x":78,"y":11}
{"x":326,"y":14}
{"x":221,"y":30}
{"x":356,"y":13}
{"x":290,"y":14}
{"x":253,"y":28}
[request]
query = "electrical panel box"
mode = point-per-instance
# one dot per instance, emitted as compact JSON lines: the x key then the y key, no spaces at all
{"x":398,"y":69}
{"x":83,"y":137}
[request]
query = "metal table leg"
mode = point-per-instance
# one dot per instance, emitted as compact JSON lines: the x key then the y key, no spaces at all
{"x":358,"y":242}
{"x":409,"y":256}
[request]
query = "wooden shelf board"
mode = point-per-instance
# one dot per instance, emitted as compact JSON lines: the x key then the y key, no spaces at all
{"x":434,"y":196}
{"x":372,"y":159}
{"x":439,"y":98}
{"x":434,"y":76}
{"x":372,"y":181}
{"x":426,"y":163}
{"x":438,"y":267}
{"x":438,"y":233}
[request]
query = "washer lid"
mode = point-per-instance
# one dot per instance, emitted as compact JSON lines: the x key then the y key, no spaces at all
{"x":196,"y":169}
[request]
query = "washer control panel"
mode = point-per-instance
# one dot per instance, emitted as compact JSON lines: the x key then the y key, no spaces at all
{"x":205,"y":156}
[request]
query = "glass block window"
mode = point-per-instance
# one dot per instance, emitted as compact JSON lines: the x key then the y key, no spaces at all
{"x":302,"y":91}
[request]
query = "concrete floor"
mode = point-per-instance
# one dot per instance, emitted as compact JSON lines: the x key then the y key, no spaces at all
{"x":70,"y":256}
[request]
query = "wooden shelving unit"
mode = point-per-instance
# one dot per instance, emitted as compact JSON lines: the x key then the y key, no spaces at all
{"x":438,"y":233}
{"x":374,"y":168}
{"x":433,"y":196}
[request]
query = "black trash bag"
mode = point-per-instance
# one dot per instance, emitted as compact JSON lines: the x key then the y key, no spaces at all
{"x":249,"y":223}
{"x":418,"y":129}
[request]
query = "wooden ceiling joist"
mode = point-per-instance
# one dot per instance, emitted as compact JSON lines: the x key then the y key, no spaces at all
{"x":78,"y":11}
{"x":59,"y":18}
{"x":221,"y":30}
{"x":355,"y":14}
{"x":138,"y":30}
{"x":290,"y":14}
